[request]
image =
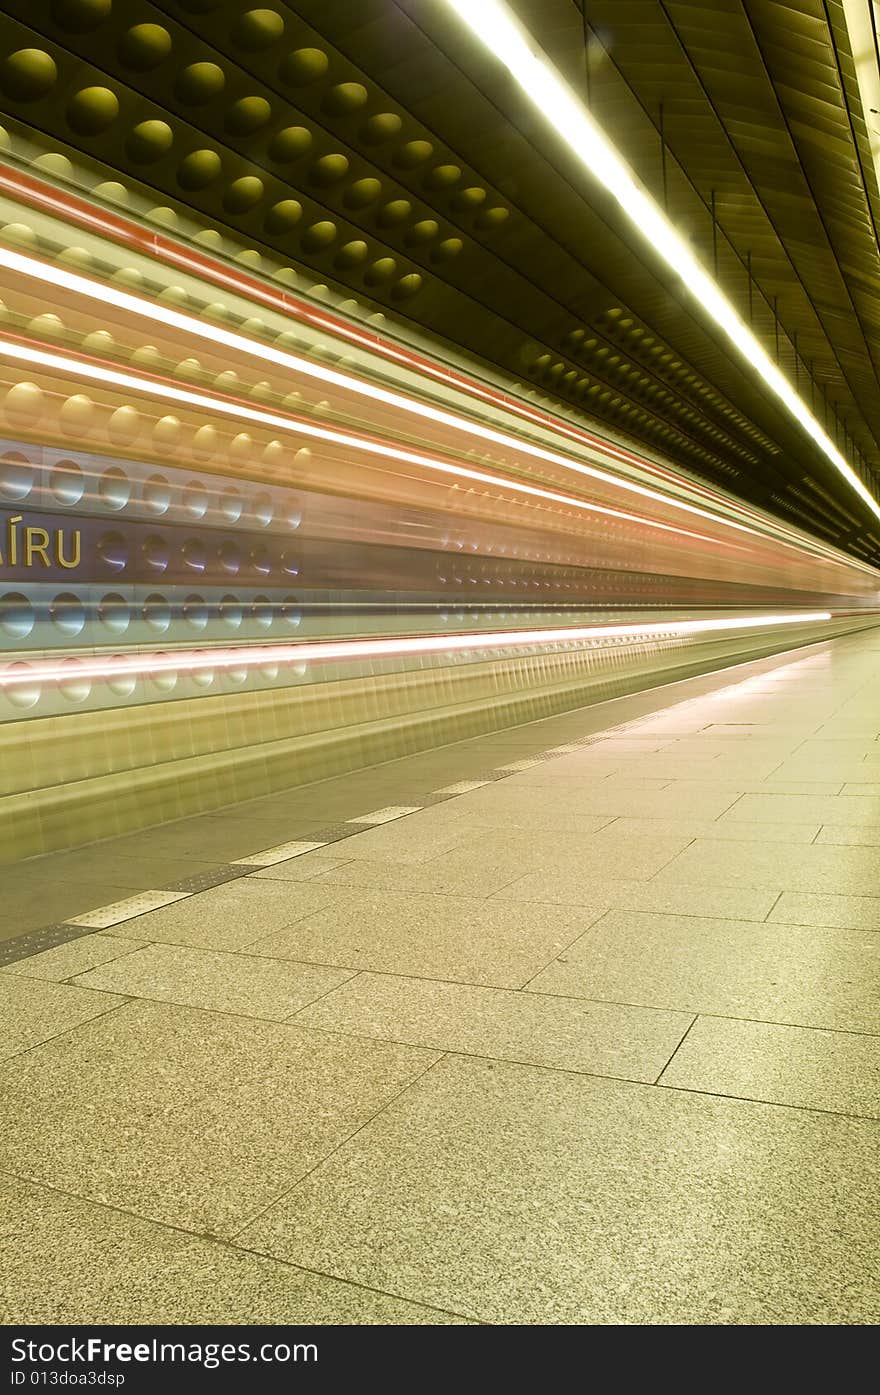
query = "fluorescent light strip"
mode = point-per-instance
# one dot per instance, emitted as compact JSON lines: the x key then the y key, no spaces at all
{"x":492,"y":22}
{"x":99,"y":373}
{"x":187,"y":324}
{"x":194,"y":661}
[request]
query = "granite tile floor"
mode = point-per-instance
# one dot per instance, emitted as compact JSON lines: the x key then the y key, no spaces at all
{"x":577,"y":1023}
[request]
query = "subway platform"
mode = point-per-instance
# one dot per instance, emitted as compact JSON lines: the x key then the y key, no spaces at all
{"x":572,"y":1024}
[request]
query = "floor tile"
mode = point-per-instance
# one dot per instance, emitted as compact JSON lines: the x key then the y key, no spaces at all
{"x":32,"y":1011}
{"x":526,"y":1196}
{"x":714,"y":902}
{"x":614,"y":801}
{"x":770,"y":972}
{"x":787,"y":867}
{"x":840,"y":912}
{"x":191,"y":1118}
{"x":721,"y":830}
{"x":804,"y":808}
{"x":602,"y":856}
{"x":836,"y":1071}
{"x":244,"y":984}
{"x":850,"y":835}
{"x":62,"y":962}
{"x":111,"y":1268}
{"x":602,"y":1039}
{"x":230,"y":916}
{"x":453,"y":873}
{"x":300,"y":869}
{"x":467,"y":940}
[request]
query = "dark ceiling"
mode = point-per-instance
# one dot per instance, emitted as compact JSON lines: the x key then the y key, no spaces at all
{"x":376,"y":143}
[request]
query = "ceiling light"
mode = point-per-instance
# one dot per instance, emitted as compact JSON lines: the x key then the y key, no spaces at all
{"x":493,"y":23}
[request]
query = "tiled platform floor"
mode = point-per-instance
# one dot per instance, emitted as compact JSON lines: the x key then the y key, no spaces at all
{"x":583,"y":1037}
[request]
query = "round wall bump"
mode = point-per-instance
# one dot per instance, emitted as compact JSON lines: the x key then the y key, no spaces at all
{"x":352,"y":254}
{"x":112,"y":191}
{"x":68,"y":614}
{"x":149,"y":141}
{"x":199,"y":169}
{"x":144,"y":47}
{"x":53,"y":162}
{"x":493,"y":217}
{"x":20,"y":233}
{"x":385,"y":125}
{"x":447,"y":249}
{"x":397,"y":211}
{"x":206,"y":441}
{"x":442,"y":176}
{"x":114,"y":489}
{"x":243,"y":194}
{"x":329,"y":169}
{"x":16,"y":476}
{"x":302,"y":66}
{"x":424,"y":231}
{"x":199,"y":83}
{"x":246,"y":115}
{"x":415,"y":152}
{"x":289,"y":144}
{"x":92,"y":110}
{"x":231,"y":504}
{"x":195,"y":612}
{"x":24,"y":404}
{"x":28,"y":74}
{"x":112,"y":549}
{"x":66,"y":483}
{"x":114,"y":614}
{"x":407,"y":286}
{"x":362,"y":193}
{"x":381,"y":270}
{"x":319,"y":236}
{"x":124,"y":425}
{"x":173,"y":295}
{"x":283,"y":216}
{"x":47,"y":324}
{"x":166,"y":432}
{"x":274,"y":455}
{"x":468,"y":200}
{"x":258,"y":29}
{"x":79,"y":16}
{"x":17,"y":617}
{"x":241,"y":446}
{"x":195,"y":499}
{"x":345,"y":98}
{"x":156,"y":494}
{"x":147,"y":356}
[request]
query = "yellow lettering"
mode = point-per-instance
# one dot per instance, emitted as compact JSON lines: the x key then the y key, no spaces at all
{"x":59,"y":549}
{"x":41,"y":549}
{"x":13,"y":539}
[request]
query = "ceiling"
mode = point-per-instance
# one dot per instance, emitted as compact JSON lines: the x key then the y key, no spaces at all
{"x":375,"y":143}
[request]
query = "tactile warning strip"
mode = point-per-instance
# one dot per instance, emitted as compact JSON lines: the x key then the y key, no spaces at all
{"x":36,"y":941}
{"x":203,"y":881}
{"x":104,"y":917}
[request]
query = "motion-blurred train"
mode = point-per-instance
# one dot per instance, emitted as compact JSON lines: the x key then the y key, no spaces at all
{"x":249,"y":537}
